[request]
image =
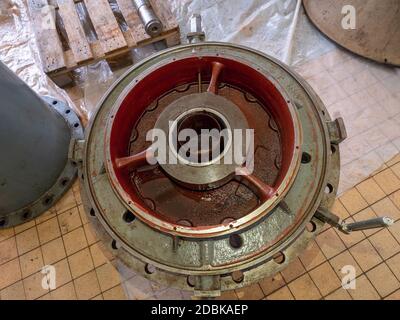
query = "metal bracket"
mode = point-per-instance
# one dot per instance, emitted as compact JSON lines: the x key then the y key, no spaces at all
{"x":196,"y":33}
{"x":337,"y":131}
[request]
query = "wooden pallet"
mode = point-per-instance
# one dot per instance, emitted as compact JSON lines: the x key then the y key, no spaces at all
{"x":112,"y":42}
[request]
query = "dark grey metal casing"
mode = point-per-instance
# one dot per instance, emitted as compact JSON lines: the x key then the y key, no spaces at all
{"x":35,"y":142}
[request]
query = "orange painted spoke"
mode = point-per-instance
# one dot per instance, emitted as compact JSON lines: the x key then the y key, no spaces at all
{"x":260,"y":188}
{"x":216,"y":71}
{"x":136,"y":161}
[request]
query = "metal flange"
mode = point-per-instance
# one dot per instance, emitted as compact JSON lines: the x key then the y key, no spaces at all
{"x":254,"y":246}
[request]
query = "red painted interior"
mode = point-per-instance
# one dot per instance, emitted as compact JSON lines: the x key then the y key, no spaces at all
{"x":185,"y":71}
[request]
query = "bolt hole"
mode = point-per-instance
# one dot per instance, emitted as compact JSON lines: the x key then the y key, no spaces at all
{"x":237,"y":276}
{"x":73,"y":163}
{"x":26,"y":215}
{"x":48,"y":200}
{"x":150,"y":269}
{"x":333,"y":149}
{"x":68,"y":111}
{"x":76,"y":125}
{"x":329,"y":188}
{"x":92,"y":212}
{"x":114,"y":245}
{"x":305,"y":158}
{"x":128,"y":217}
{"x":279,"y":257}
{"x":235,"y":241}
{"x":55,"y":102}
{"x":64,"y":182}
{"x":311,"y":226}
{"x":191,"y":281}
{"x":3,"y":223}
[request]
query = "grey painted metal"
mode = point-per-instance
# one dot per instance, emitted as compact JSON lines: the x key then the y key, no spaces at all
{"x":36,"y":135}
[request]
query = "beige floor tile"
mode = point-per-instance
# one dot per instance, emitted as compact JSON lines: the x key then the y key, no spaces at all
{"x":99,"y":297}
{"x":67,"y":202}
{"x":395,"y":230}
{"x":395,"y":197}
{"x":325,"y":279}
{"x":108,"y":277}
{"x":304,"y":289}
{"x":394,"y":265}
{"x":24,"y":226}
{"x":252,"y":292}
{"x":75,"y":241}
{"x":6,"y":234}
{"x":394,"y":296}
{"x":80,"y":263}
{"x":370,"y":191}
{"x":31,"y":262}
{"x":343,"y":260}
{"x":294,"y":270}
{"x":82,"y":214}
{"x":396,"y":169}
{"x":386,"y":207}
{"x":8,"y":250}
{"x":353,"y":201}
{"x":281,"y":294}
{"x":69,"y":220}
{"x":27,"y":240}
{"x":339,"y":209}
{"x":330,"y":243}
{"x":364,"y":290}
{"x":63,"y":273}
{"x":90,"y":234}
{"x":98,"y":256}
{"x":53,"y":251}
{"x":383,"y":280}
{"x":385,"y":243}
{"x":66,"y":292}
{"x":10,"y":273}
{"x":388,"y":181}
{"x":365,"y":255}
{"x":271,"y":284}
{"x":393,"y":161}
{"x":46,"y":216}
{"x":87,"y":286}
{"x":339,"y":294}
{"x":13,"y":292}
{"x":48,"y":230}
{"x":312,"y":256}
{"x":226,"y":295}
{"x":33,"y":286}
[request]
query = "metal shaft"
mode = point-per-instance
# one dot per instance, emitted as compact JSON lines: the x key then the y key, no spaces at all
{"x":152,"y":23}
{"x":381,"y":222}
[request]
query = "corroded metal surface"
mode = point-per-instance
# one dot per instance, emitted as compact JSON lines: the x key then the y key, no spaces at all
{"x":242,"y":236}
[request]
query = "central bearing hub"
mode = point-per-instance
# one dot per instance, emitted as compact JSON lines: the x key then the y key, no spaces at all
{"x":212,"y":165}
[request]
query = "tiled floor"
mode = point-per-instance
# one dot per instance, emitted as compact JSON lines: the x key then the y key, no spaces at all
{"x":63,"y":238}
{"x":367,"y":96}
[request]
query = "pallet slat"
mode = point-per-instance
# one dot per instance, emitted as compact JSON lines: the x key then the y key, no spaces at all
{"x":105,"y":24}
{"x":76,"y":35}
{"x":50,"y":47}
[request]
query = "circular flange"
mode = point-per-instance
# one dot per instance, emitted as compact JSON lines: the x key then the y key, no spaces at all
{"x":65,"y":179}
{"x":211,"y":112}
{"x":258,"y":249}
